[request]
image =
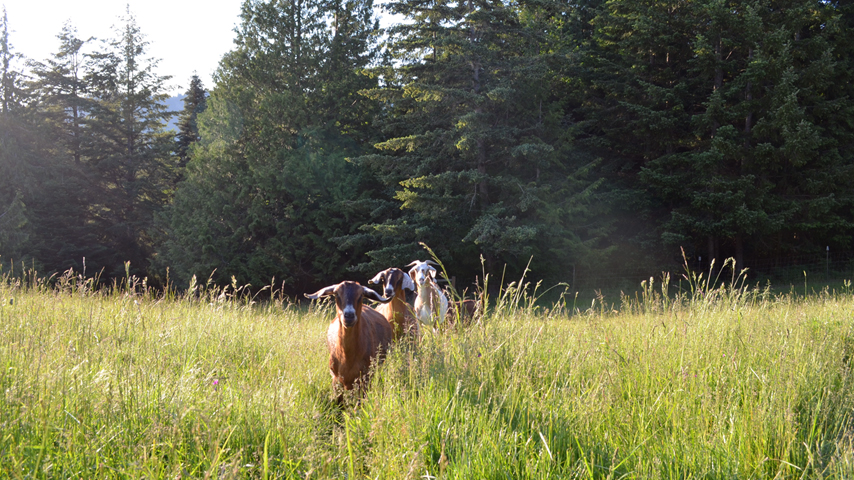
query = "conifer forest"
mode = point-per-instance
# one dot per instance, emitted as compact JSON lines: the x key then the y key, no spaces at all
{"x":598,"y":137}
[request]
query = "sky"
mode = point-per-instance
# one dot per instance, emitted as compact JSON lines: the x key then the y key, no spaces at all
{"x":188,"y":36}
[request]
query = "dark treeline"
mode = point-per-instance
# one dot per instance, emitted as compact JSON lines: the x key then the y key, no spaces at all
{"x":595,"y":135}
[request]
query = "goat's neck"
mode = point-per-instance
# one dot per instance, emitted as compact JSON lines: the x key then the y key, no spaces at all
{"x":349,"y":338}
{"x":398,"y":304}
{"x":426,"y":289}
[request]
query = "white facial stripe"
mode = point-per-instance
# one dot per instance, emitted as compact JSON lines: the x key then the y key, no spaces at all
{"x":349,"y":309}
{"x":423,"y":272}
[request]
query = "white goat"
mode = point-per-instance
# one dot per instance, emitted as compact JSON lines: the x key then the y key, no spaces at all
{"x":431,"y":304}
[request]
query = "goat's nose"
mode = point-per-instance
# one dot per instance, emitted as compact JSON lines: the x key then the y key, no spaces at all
{"x":389,"y":292}
{"x":349,"y":318}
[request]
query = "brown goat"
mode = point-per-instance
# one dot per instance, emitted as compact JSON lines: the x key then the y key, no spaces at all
{"x":398,"y":313}
{"x":467,"y":309}
{"x":357,"y":336}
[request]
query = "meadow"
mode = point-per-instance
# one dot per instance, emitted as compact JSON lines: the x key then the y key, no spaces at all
{"x":715,"y":380}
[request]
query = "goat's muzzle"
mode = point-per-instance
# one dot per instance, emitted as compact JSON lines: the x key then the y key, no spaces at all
{"x":349,"y":319}
{"x":389,"y":292}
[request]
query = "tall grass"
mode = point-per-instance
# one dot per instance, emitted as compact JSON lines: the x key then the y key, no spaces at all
{"x":716,"y":380}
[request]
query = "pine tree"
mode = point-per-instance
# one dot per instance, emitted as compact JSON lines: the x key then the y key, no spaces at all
{"x":268,"y":185}
{"x":19,"y":162}
{"x":195,"y":102}
{"x":61,"y":218}
{"x":11,"y":93}
{"x":721,"y":110}
{"x":19,"y":167}
{"x":60,"y":91}
{"x":130,"y":149}
{"x":473,"y":150}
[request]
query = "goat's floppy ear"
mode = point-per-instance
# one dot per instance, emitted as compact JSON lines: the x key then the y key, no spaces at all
{"x":408,"y":283}
{"x":323,"y":292}
{"x":374,"y":295}
{"x":380,"y":278}
{"x":432,"y":272}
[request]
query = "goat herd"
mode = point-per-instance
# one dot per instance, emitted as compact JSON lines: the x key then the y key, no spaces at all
{"x":359,"y":334}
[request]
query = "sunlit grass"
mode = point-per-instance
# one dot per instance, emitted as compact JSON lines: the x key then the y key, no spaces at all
{"x":713,"y":382}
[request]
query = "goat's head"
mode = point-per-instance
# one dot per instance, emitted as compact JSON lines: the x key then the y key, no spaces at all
{"x":393,"y":279}
{"x":348,"y":299}
{"x":420,"y":271}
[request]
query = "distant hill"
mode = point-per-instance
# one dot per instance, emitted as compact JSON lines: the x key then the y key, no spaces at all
{"x":175,"y":104}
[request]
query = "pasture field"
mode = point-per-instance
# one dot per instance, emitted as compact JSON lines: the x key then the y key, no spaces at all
{"x":715,"y":382}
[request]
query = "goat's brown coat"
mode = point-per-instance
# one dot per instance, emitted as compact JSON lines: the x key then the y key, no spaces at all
{"x":352,"y":350}
{"x":397,"y":312}
{"x":467,"y":309}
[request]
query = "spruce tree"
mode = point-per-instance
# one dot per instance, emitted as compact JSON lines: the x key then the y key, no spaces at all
{"x":20,"y":163}
{"x":195,"y":102}
{"x":62,"y":218}
{"x":474,"y":151}
{"x":11,"y":93}
{"x":61,"y":94}
{"x":19,"y":168}
{"x":720,"y":111}
{"x":130,"y":149}
{"x":268,"y":186}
